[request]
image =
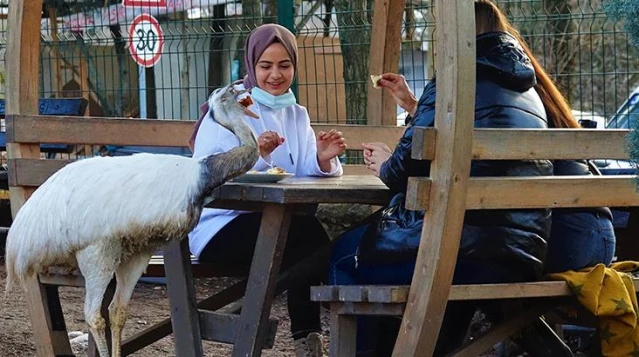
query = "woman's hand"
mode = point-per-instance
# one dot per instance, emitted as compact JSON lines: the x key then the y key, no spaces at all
{"x":399,"y":90}
{"x":375,"y":154}
{"x":269,"y":141}
{"x":329,"y":145}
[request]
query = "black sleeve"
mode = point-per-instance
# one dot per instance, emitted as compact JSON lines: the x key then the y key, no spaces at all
{"x":396,"y":170}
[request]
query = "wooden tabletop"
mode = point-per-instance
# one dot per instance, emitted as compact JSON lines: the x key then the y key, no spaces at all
{"x":366,"y":189}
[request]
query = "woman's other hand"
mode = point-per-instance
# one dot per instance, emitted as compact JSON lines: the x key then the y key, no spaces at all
{"x":329,"y":145}
{"x":269,"y":141}
{"x":399,"y":90}
{"x":375,"y":154}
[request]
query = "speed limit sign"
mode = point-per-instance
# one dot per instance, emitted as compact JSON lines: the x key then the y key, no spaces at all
{"x":145,"y":40}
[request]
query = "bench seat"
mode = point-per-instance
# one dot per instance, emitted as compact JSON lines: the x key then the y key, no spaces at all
{"x":399,"y":294}
{"x":65,"y":276}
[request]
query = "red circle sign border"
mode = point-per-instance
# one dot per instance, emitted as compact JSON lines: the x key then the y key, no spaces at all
{"x":151,"y":62}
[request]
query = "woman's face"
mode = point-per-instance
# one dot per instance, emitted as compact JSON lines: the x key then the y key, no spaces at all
{"x":274,"y":70}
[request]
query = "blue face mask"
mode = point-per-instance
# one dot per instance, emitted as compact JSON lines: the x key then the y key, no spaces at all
{"x":273,"y":101}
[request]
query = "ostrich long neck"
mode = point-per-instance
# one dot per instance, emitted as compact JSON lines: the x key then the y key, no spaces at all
{"x":227,"y":165}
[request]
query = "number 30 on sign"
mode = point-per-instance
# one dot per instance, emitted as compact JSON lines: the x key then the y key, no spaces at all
{"x":145,"y":40}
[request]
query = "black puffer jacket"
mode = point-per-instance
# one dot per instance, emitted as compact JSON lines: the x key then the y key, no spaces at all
{"x":505,"y":98}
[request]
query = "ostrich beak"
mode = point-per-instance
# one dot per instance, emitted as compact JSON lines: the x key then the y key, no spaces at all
{"x":250,"y":113}
{"x":247,"y":112}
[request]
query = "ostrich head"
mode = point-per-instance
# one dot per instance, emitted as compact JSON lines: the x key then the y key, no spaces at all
{"x":227,"y":111}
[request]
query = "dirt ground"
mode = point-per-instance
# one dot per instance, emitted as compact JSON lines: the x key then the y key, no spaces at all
{"x":148,"y":306}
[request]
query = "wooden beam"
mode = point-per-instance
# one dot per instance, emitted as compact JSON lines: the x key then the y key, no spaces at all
{"x":535,"y":192}
{"x":454,"y":116}
{"x":386,"y":42}
{"x":32,"y":172}
{"x":23,"y":82}
{"x":496,"y":144}
{"x":389,"y":294}
{"x":530,"y":144}
{"x":154,"y":132}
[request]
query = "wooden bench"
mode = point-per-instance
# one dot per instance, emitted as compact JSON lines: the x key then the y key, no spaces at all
{"x":449,"y":192}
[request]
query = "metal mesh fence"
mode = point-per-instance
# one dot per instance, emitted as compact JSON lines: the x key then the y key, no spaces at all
{"x":85,"y":52}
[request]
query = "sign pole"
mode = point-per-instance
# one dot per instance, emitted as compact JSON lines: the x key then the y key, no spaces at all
{"x":142,"y":91}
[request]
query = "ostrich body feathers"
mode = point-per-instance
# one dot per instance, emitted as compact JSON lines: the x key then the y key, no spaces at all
{"x":133,"y":203}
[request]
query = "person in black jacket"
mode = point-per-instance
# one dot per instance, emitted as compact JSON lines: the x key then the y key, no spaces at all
{"x":497,"y":246}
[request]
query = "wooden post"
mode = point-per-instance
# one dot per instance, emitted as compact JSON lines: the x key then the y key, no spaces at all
{"x":386,"y":43}
{"x":450,"y":170}
{"x":23,"y":86}
{"x":22,"y":80}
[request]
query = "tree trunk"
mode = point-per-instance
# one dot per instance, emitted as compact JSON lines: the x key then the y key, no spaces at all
{"x":563,"y":43}
{"x":251,"y":18}
{"x":328,"y":5}
{"x":354,"y":23}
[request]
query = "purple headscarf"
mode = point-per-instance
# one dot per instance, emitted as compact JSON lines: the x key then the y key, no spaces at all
{"x":257,"y":42}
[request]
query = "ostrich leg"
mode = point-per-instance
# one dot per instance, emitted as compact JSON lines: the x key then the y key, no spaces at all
{"x":97,"y":266}
{"x":126,"y":275}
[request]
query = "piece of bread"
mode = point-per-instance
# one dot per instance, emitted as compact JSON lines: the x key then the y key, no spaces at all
{"x":375,"y":79}
{"x":246,"y":101}
{"x":275,"y":170}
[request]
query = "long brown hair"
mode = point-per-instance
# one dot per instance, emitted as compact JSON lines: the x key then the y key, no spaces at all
{"x":488,"y":18}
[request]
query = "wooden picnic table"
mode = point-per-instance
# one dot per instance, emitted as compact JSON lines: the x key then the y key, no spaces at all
{"x":278,"y":202}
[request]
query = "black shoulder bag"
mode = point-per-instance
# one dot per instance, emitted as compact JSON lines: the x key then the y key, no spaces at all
{"x":393,"y":234}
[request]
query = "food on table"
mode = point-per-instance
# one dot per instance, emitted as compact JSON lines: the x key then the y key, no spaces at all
{"x":275,"y":170}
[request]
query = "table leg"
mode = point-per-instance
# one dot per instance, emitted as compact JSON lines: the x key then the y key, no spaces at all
{"x":185,"y":317}
{"x":260,"y":289}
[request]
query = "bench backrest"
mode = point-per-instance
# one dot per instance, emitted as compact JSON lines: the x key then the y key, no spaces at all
{"x":36,"y":129}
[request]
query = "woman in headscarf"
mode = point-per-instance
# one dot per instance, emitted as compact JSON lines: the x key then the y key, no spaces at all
{"x":286,"y":140}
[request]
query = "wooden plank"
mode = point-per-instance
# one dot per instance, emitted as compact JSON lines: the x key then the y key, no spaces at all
{"x":22,"y":79}
{"x":32,"y":172}
{"x":454,"y":114}
{"x":98,"y":130}
{"x":223,"y":327}
{"x":521,"y":144}
{"x":260,"y":289}
{"x":359,"y":293}
{"x":365,"y":308}
{"x":536,"y":192}
{"x":23,"y":83}
{"x":182,"y":299}
{"x":343,"y":329}
{"x":358,"y":134}
{"x":38,"y":306}
{"x":510,"y":291}
{"x":62,"y":280}
{"x":356,"y":170}
{"x":386,"y":39}
{"x":388,"y":294}
{"x":151,"y":132}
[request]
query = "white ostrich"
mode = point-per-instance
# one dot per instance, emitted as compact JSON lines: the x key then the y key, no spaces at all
{"x":107,"y":215}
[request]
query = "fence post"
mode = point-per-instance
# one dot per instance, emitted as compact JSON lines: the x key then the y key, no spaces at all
{"x":286,"y":18}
